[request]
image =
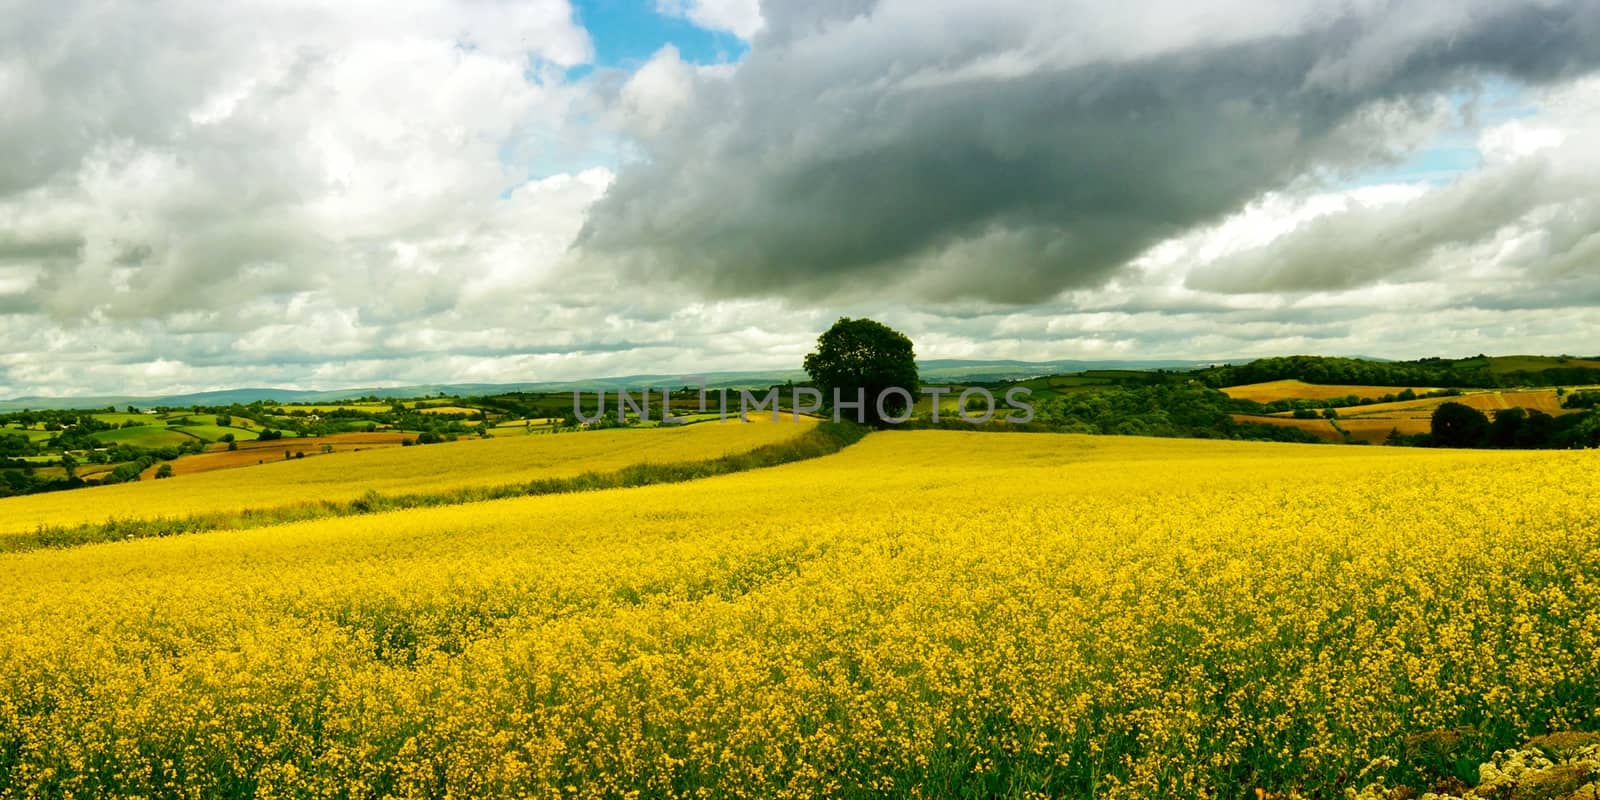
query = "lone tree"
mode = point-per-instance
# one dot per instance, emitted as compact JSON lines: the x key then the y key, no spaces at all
{"x":1458,"y":425}
{"x":869,"y":357}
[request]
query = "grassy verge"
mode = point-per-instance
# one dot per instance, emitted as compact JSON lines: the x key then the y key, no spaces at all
{"x":824,"y":439}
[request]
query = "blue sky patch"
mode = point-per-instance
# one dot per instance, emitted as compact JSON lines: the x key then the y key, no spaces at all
{"x":627,"y":32}
{"x":1455,"y":152}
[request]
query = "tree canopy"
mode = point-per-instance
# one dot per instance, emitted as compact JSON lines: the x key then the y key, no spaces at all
{"x":1458,"y":425}
{"x":865,"y":356}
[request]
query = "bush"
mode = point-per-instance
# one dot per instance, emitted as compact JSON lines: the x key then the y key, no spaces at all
{"x":129,"y":471}
{"x":1583,"y":399}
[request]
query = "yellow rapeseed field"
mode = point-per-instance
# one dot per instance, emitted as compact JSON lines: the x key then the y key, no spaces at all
{"x":505,"y":459}
{"x":925,"y":614}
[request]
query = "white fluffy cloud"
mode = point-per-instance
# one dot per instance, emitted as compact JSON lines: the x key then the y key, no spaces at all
{"x":656,"y":93}
{"x":309,"y":194}
{"x":260,"y":184}
{"x":739,"y":17}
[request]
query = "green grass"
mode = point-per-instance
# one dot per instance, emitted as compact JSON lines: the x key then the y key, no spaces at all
{"x":208,"y":419}
{"x":214,"y":433}
{"x":1500,"y":365}
{"x":32,"y":435}
{"x":1057,"y":382}
{"x":121,"y":417}
{"x":1050,"y":386}
{"x":947,"y":403}
{"x":1115,"y":374}
{"x":540,"y":422}
{"x":147,"y":436}
{"x":432,"y":402}
{"x":1504,"y":364}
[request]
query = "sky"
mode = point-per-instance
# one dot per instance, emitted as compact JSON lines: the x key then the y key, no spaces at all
{"x":302,"y":194}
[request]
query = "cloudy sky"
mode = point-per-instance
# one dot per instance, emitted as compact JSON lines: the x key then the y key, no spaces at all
{"x":198,"y":195}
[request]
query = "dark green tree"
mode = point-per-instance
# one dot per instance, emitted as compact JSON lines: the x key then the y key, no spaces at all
{"x":1457,"y":425}
{"x":866,"y":357}
{"x":1538,"y":431}
{"x":15,"y":445}
{"x":1506,"y":430}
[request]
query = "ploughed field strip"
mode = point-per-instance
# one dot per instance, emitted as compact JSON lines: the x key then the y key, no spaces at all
{"x":1300,"y":390}
{"x":929,"y":613}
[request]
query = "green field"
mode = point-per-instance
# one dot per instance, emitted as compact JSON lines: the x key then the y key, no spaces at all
{"x":214,"y":433}
{"x":523,"y":423}
{"x":146,"y":436}
{"x":33,"y":434}
{"x":208,"y":419}
{"x":1057,"y":385}
{"x":119,"y":418}
{"x":1501,"y":365}
{"x":947,"y":402}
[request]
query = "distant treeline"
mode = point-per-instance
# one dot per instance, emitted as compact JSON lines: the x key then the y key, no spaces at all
{"x":1177,"y":408}
{"x":277,"y":421}
{"x":1458,"y":425}
{"x":1475,"y":373}
{"x":1182,"y":407}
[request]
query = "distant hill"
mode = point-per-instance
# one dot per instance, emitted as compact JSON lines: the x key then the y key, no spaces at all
{"x":933,"y":371}
{"x":1479,"y":371}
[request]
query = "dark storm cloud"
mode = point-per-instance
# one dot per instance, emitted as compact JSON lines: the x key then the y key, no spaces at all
{"x":32,"y":250}
{"x":846,"y":156}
